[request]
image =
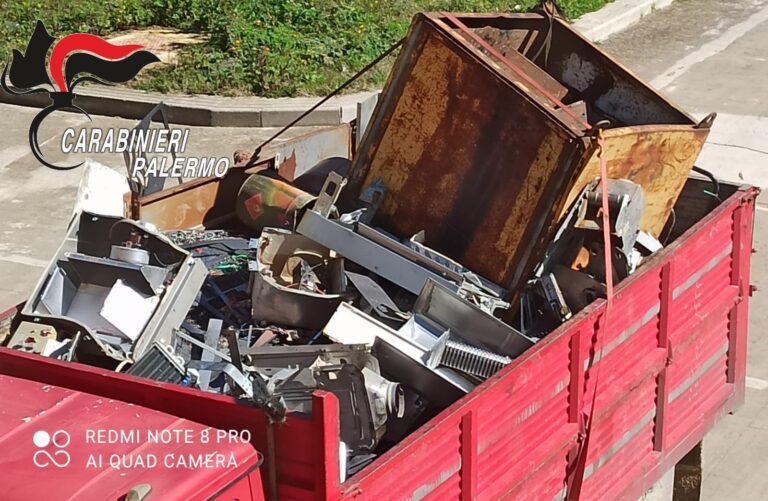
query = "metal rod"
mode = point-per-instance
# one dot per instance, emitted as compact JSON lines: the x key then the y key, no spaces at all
{"x":202,"y":345}
{"x":340,"y":88}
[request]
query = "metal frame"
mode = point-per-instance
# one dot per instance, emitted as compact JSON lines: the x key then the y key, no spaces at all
{"x":467,"y":321}
{"x":169,"y":313}
{"x":369,"y":254}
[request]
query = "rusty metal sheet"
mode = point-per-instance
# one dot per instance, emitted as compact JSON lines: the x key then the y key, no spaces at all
{"x":658,"y":158}
{"x":466,"y":157}
{"x":501,"y":41}
{"x":483,"y":159}
{"x":612,"y":90}
{"x":209,"y":202}
{"x":198,"y":203}
{"x":520,"y":38}
{"x":293,"y":157}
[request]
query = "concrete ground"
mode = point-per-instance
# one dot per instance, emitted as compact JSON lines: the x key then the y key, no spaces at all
{"x":37,"y":202}
{"x":711,"y":55}
{"x":707,"y":55}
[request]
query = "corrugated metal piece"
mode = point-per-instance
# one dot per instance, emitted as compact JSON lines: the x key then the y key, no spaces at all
{"x":469,"y":146}
{"x":621,"y":437}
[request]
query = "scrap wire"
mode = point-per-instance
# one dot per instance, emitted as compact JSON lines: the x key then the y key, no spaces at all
{"x":671,"y":226}
{"x":711,"y":177}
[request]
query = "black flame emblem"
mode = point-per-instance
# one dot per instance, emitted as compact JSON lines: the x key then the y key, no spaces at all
{"x":75,"y":58}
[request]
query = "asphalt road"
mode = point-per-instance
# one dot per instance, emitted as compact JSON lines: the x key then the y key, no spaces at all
{"x":707,"y":55}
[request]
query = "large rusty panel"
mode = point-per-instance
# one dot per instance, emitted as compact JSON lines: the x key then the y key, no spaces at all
{"x":658,"y":158}
{"x":465,"y":156}
{"x":485,"y":134}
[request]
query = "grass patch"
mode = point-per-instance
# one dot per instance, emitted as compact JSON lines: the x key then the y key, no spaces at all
{"x":263,"y":47}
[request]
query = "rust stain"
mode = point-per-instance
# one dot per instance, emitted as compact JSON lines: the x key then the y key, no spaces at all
{"x":185,"y":210}
{"x":457,"y":158}
{"x":419,"y":111}
{"x":536,"y":179}
{"x":193,"y":204}
{"x":659,"y":160}
{"x":287,"y":169}
{"x":476,"y":157}
{"x":500,"y":40}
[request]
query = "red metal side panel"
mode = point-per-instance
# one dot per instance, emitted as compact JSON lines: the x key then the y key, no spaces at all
{"x":437,"y":447}
{"x":698,"y":296}
{"x":622,"y":438}
{"x":298,"y":475}
{"x":671,"y":363}
{"x":522,"y":427}
{"x":522,"y":424}
{"x":548,"y":479}
{"x":248,"y":488}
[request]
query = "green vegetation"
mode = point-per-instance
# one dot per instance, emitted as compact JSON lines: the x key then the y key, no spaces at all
{"x":262,"y":47}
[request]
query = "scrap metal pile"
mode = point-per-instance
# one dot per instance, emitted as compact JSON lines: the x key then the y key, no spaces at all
{"x":466,"y":228}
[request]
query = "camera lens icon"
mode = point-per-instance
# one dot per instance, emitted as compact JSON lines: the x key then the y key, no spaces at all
{"x":59,"y":439}
{"x":41,"y":439}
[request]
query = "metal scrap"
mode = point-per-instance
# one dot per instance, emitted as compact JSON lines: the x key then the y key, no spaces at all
{"x":465,"y":358}
{"x":571,"y":274}
{"x":398,"y":280}
{"x":403,"y":353}
{"x":295,"y":281}
{"x":120,"y":284}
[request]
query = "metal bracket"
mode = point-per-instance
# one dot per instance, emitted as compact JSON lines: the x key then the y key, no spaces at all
{"x":384,"y":256}
{"x":242,"y":381}
{"x":329,"y":194}
{"x":186,"y":337}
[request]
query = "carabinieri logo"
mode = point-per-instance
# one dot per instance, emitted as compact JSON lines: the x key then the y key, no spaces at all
{"x":75,"y":58}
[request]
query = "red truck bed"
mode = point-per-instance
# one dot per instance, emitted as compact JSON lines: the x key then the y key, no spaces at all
{"x":90,"y":447}
{"x":670,"y":362}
